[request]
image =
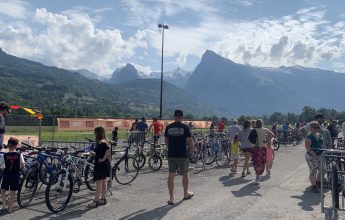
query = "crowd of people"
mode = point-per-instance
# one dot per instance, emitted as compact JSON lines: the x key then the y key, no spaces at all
{"x":252,"y":139}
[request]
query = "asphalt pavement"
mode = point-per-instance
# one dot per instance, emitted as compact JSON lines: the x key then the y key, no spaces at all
{"x":285,"y":195}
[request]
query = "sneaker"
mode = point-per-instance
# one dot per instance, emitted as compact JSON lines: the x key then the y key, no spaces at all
{"x":243,"y":174}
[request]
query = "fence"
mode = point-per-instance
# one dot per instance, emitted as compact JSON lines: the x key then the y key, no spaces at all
{"x":49,"y":128}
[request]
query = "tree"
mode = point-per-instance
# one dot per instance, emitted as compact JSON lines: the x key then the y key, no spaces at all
{"x":189,"y":116}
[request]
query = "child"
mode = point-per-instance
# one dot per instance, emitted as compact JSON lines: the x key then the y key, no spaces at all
{"x":14,"y":163}
{"x":235,"y":151}
{"x":269,"y":157}
{"x":114,"y":134}
{"x":101,"y":169}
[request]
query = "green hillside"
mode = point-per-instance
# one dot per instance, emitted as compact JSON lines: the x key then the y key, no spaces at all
{"x":58,"y":91}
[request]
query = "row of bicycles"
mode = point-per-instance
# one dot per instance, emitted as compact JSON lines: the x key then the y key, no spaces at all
{"x":64,"y":170}
{"x":292,"y":137}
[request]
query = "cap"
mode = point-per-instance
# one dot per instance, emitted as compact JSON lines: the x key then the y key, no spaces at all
{"x":319,"y":116}
{"x":178,"y":113}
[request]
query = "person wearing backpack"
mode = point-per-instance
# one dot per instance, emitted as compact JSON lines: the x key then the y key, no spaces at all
{"x":263,"y":135}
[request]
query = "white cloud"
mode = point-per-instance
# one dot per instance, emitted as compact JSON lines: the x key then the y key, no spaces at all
{"x":13,"y":8}
{"x":71,"y":42}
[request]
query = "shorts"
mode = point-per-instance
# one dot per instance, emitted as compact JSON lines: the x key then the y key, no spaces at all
{"x":178,"y":164}
{"x":156,"y":137}
{"x":249,"y":150}
{"x":10,"y":183}
{"x":313,"y":164}
{"x":235,"y":157}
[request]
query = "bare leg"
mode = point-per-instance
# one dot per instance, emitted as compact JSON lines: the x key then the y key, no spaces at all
{"x":3,"y":198}
{"x":185,"y":183}
{"x":171,"y":186}
{"x":98,"y":189}
{"x":104,"y":188}
{"x":12,"y":196}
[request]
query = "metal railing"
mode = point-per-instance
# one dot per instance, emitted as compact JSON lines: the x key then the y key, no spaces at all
{"x":336,"y":177}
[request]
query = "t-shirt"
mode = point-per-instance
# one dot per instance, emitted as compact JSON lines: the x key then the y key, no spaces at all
{"x":114,"y":135}
{"x":233,"y":130}
{"x":157,"y":128}
{"x":235,"y":148}
{"x":12,"y":161}
{"x":243,"y":135}
{"x":141,"y":126}
{"x":316,"y":143}
{"x":262,"y":132}
{"x":221,"y":126}
{"x":285,"y":127}
{"x":177,"y":134}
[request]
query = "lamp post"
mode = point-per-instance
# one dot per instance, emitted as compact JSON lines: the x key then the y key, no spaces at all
{"x":163,"y":26}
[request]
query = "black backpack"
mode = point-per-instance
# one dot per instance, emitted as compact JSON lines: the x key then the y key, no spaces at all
{"x":253,"y":136}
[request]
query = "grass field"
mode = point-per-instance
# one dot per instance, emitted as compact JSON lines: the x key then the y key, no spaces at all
{"x":48,"y":133}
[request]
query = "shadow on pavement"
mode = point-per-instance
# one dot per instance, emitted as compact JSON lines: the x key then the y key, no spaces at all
{"x":308,"y":200}
{"x":230,"y":181}
{"x":157,"y":213}
{"x":247,"y":190}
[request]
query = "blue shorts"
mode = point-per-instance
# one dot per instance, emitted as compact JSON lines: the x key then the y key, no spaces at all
{"x":10,"y":182}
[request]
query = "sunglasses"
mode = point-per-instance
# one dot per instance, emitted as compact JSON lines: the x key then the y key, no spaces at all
{"x":317,"y":127}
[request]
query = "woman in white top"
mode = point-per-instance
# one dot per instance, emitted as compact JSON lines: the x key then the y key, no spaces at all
{"x":259,"y":149}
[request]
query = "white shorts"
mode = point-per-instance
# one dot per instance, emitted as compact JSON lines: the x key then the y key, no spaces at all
{"x":235,"y":156}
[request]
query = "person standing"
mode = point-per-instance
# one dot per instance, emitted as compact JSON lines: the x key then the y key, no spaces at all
{"x":142,"y":128}
{"x":4,"y":110}
{"x":220,"y":126}
{"x":314,"y":145}
{"x":14,"y":163}
{"x":101,"y":168}
{"x":269,"y":157}
{"x":343,"y":129}
{"x":332,"y":128}
{"x":259,"y":149}
{"x":177,"y":136}
{"x":157,"y":130}
{"x":246,"y":146}
{"x":235,"y":152}
{"x":114,"y":134}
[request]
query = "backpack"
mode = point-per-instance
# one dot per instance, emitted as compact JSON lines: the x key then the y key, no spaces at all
{"x":253,"y":136}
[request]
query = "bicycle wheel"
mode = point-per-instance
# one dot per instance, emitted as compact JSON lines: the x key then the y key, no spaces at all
{"x":155,"y":162}
{"x":59,"y":191}
{"x":28,"y":188}
{"x":125,"y":171}
{"x":276,"y":144}
{"x":44,"y":172}
{"x":90,"y":183}
{"x":141,"y":159}
{"x":209,"y":156}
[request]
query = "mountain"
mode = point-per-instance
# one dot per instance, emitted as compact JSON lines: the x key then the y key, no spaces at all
{"x":177,"y":77}
{"x":27,"y":83}
{"x":87,"y":74}
{"x":244,"y":89}
{"x":125,"y":74}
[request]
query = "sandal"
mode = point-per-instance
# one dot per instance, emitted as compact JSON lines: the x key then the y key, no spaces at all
{"x":92,"y":205}
{"x":189,"y":196}
{"x":170,"y":203}
{"x":102,"y":201}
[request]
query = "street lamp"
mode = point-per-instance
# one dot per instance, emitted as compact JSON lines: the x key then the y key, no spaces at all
{"x":163,"y":26}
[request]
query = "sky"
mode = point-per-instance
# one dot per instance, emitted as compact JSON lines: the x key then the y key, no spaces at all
{"x":101,"y":35}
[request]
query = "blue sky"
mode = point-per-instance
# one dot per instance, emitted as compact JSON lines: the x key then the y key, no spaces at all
{"x":103,"y":35}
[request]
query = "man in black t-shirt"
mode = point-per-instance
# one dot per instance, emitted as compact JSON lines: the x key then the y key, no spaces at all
{"x":177,"y":135}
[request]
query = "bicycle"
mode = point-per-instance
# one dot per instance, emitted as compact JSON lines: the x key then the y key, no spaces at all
{"x":126,"y":167}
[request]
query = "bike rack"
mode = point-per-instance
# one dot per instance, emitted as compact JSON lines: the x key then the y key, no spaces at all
{"x":76,"y":144}
{"x":331,"y":212}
